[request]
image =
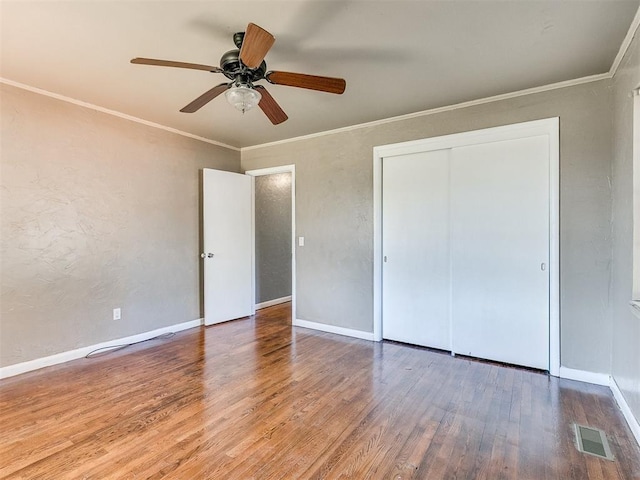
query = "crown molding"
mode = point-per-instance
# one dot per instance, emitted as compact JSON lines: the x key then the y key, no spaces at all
{"x":97,"y":108}
{"x":626,"y":43}
{"x":624,"y":47}
{"x":433,"y":111}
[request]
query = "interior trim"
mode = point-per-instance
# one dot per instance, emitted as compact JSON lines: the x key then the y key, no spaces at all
{"x":324,"y":327}
{"x":36,"y":364}
{"x":433,"y":111}
{"x":270,"y":171}
{"x":626,"y":409}
{"x":622,"y":51}
{"x":115,"y":113}
{"x":271,"y":303}
{"x":626,"y":43}
{"x":585,"y":376}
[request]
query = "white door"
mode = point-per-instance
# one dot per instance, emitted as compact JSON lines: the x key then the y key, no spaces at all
{"x":415,"y":231}
{"x":500,"y":251}
{"x":227,"y":232}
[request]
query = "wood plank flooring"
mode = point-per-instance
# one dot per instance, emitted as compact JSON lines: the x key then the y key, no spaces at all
{"x":258,"y":398}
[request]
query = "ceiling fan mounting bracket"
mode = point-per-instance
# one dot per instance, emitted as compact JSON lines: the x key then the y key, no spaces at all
{"x":238,"y":38}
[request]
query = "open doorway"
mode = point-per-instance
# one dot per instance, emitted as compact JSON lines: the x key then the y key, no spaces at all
{"x":274,"y":229}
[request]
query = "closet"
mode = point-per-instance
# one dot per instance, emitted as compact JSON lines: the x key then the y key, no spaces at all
{"x":466,"y":246}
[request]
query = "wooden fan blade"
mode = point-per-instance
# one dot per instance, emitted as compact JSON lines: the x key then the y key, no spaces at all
{"x":270,"y":107}
{"x":255,"y":45}
{"x":169,"y":63}
{"x":205,"y":98}
{"x":312,"y":82}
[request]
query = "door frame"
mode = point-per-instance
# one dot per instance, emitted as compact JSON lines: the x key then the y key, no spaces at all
{"x":549,"y":127}
{"x":270,"y":171}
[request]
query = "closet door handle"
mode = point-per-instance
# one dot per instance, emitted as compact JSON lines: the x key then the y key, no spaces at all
{"x":543,"y":266}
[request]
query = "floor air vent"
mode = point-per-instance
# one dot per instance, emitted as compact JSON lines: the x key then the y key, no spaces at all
{"x":592,"y":441}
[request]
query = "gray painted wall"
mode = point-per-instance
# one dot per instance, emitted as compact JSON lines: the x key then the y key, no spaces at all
{"x":626,"y":326}
{"x":334,"y":207}
{"x":273,"y":236}
{"x":96,"y":212}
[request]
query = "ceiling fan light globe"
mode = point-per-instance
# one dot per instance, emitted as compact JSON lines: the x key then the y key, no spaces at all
{"x":243,"y":98}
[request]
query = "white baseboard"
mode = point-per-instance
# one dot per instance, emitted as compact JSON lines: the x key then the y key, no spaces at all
{"x":323,"y":327}
{"x":271,"y":303}
{"x":608,"y":381}
{"x":584,"y":376}
{"x":626,"y":410}
{"x":18,"y":368}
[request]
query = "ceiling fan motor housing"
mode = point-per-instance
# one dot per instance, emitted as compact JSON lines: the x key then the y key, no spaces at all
{"x":232,"y":67}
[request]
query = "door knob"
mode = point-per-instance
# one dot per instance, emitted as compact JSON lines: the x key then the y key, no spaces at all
{"x":206,"y":255}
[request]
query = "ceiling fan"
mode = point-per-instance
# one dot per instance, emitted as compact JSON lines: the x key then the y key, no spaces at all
{"x":244,"y":67}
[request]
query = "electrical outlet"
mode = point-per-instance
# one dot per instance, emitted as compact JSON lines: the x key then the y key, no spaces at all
{"x":116,"y":314}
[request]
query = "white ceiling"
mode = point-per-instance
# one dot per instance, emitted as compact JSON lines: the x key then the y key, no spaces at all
{"x":398,"y":57}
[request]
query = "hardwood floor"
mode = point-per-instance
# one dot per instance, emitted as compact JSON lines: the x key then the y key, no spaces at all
{"x":257,"y":398}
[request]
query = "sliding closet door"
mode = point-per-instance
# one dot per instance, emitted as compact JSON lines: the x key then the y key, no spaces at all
{"x":415,"y":243}
{"x":500,"y":251}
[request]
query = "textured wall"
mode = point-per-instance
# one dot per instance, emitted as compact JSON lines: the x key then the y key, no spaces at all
{"x":334,"y":207}
{"x":273,"y":236}
{"x":626,"y":326}
{"x":96,"y":212}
